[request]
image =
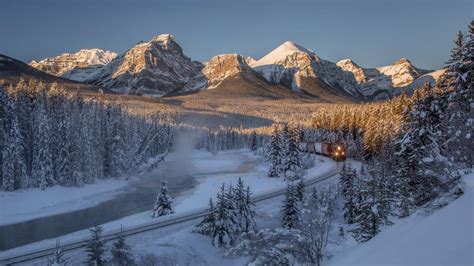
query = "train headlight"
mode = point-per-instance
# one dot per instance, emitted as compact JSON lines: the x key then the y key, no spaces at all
{"x":337,"y":153}
{"x":339,"y":147}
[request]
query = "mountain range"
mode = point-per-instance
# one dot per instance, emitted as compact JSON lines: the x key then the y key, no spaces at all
{"x":160,"y":68}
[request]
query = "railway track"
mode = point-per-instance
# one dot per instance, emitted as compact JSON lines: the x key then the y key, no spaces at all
{"x":79,"y":244}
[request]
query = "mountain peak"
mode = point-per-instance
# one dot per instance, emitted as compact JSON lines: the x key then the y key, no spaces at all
{"x":347,"y":62}
{"x":290,"y":46}
{"x":402,"y":60}
{"x":281,"y":53}
{"x":167,"y":42}
{"x":164,"y":38}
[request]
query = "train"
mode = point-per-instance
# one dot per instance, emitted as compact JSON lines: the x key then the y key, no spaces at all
{"x":337,"y":151}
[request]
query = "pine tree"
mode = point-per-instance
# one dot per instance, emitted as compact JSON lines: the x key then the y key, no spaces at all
{"x":224,"y":226}
{"x":121,"y":253}
{"x":163,"y":202}
{"x":419,"y":152}
{"x":42,"y":160}
{"x":95,"y":247}
{"x":300,"y":188}
{"x":460,"y":113}
{"x":373,"y":209}
{"x":58,"y":256}
{"x":275,"y":156}
{"x":253,"y":141}
{"x":290,"y":210}
{"x":292,"y":158}
{"x":244,"y":208}
{"x":14,"y":168}
{"x":347,"y":181}
{"x":208,"y":225}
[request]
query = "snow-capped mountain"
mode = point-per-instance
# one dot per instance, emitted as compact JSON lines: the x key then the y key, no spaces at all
{"x":13,"y":71}
{"x":78,"y":66}
{"x":216,"y":70}
{"x":156,"y":67}
{"x":301,"y":69}
{"x":382,"y":82}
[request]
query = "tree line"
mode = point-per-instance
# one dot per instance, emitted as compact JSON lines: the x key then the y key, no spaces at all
{"x":51,"y":137}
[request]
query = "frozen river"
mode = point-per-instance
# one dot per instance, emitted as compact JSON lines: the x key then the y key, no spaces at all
{"x":181,"y":171}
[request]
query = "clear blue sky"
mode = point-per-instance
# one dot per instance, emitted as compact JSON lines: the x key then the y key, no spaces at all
{"x":371,"y":32}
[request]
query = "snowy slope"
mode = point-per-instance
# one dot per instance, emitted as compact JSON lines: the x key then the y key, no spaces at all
{"x":444,"y":238}
{"x":77,"y":66}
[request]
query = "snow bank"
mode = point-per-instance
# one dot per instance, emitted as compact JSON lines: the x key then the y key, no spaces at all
{"x":444,"y":238}
{"x":29,"y":204}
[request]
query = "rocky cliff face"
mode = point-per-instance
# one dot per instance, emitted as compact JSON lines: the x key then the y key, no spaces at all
{"x":156,"y":67}
{"x":78,"y":66}
{"x":219,"y":68}
{"x":384,"y":81}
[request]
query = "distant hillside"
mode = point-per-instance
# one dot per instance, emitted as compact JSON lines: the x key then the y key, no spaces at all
{"x":12,"y":70}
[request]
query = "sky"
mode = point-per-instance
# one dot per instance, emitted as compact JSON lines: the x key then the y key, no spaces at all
{"x":370,"y":32}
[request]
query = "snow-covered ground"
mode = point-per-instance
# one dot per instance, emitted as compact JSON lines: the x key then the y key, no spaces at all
{"x":178,"y":242}
{"x":445,"y":237}
{"x":223,"y":167}
{"x":29,"y":204}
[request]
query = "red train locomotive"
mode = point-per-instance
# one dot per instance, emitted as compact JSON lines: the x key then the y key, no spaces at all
{"x":336,"y":151}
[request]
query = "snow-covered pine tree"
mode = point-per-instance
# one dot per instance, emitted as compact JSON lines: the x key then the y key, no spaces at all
{"x":95,"y":247}
{"x":419,"y":151}
{"x":249,"y":213}
{"x":290,"y":210}
{"x":244,"y":208}
{"x":58,"y":258}
{"x":253,"y":141}
{"x":42,"y":161}
{"x":275,"y":154}
{"x":347,"y":181}
{"x":373,"y":209}
{"x":121,"y":253}
{"x":75,"y":177}
{"x":14,"y":168}
{"x":460,"y":118}
{"x":163,"y":202}
{"x":316,"y":223}
{"x":224,"y":226}
{"x":292,"y":158}
{"x":208,"y":225}
{"x":300,"y":188}
{"x":233,"y":211}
